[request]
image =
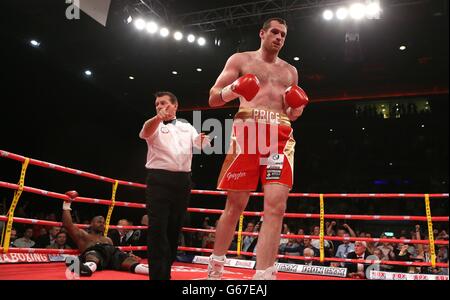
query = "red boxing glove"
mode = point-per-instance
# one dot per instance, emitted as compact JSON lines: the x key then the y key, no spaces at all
{"x":72,"y":195}
{"x":295,"y":97}
{"x":246,"y":86}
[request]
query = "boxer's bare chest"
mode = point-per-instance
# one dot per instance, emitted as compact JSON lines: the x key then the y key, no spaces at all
{"x":274,"y":79}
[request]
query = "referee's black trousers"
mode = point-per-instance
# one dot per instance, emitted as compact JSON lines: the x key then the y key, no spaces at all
{"x":167,"y":196}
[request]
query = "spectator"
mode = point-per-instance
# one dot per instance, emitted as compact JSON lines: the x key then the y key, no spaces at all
{"x":209,"y":239}
{"x":247,"y":240}
{"x":370,"y":245}
{"x":13,"y":237}
{"x":285,"y":230}
{"x":442,"y":257}
{"x":60,"y":242}
{"x":252,"y":247}
{"x":315,"y":242}
{"x":291,"y":248}
{"x":307,"y":244}
{"x":309,"y":253}
{"x":345,"y":248}
{"x":377,"y":252}
{"x":343,"y":230}
{"x":142,"y":241}
{"x":357,"y":270}
{"x":300,"y":232}
{"x":144,"y":220}
{"x":387,"y":250}
{"x":49,"y":238}
{"x":401,"y":254}
{"x":25,"y":241}
{"x":124,"y":237}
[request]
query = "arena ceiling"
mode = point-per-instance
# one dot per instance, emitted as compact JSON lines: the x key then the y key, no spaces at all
{"x":330,"y":67}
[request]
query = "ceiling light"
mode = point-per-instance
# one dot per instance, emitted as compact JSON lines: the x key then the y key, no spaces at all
{"x":191,"y":38}
{"x":357,"y":11}
{"x":201,"y":41}
{"x":164,"y":32}
{"x":373,"y":10}
{"x":178,"y":36}
{"x":139,"y":24}
{"x":34,"y":43}
{"x":151,"y":27}
{"x":328,"y":15}
{"x":342,"y":13}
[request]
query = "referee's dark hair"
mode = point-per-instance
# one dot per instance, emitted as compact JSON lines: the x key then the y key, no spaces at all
{"x":173,"y":98}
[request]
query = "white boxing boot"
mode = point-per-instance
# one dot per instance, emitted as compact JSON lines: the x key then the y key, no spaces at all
{"x":267,"y":274}
{"x":215,"y":267}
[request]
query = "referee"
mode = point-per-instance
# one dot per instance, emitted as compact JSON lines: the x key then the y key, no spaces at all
{"x":169,"y":159}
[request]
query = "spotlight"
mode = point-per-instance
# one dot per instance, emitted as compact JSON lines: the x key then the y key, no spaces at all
{"x":129,"y":19}
{"x":88,"y":73}
{"x":296,"y":58}
{"x":174,"y":72}
{"x":357,"y":11}
{"x":373,"y":10}
{"x":139,"y":24}
{"x":34,"y":43}
{"x":328,"y":15}
{"x":164,"y":32}
{"x":199,"y":69}
{"x":151,"y":27}
{"x":131,"y":77}
{"x":342,"y":13}
{"x":201,"y":41}
{"x":178,"y":36}
{"x":191,"y":38}
{"x":402,"y":48}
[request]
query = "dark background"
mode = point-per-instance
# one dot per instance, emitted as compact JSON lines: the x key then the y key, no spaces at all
{"x":50,"y":111}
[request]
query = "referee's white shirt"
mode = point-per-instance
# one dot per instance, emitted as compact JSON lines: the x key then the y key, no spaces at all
{"x":170,"y":146}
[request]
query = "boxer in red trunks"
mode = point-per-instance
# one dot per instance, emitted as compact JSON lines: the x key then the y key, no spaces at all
{"x":269,"y":100}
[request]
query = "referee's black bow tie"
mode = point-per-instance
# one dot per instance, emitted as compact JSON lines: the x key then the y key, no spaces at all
{"x":170,"y":122}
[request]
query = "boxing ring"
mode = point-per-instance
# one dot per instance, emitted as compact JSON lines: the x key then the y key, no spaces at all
{"x":197,"y":270}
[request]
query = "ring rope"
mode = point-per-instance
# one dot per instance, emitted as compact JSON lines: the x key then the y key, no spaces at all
{"x":111,"y":207}
{"x":241,"y":223}
{"x":48,"y":165}
{"x":430,"y":231}
{"x":7,"y":236}
{"x":321,"y":233}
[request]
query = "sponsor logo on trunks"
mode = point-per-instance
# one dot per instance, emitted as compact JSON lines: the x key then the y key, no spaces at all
{"x":236,"y":176}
